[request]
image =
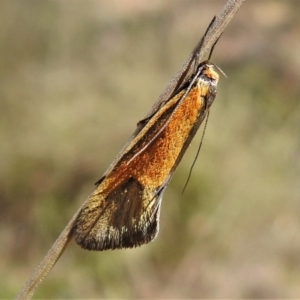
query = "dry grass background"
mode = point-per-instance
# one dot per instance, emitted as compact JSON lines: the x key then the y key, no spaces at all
{"x":75,"y":78}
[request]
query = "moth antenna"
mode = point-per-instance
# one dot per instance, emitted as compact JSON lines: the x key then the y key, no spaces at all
{"x":197,"y":154}
{"x":199,"y":46}
{"x":213,"y":47}
{"x":221,"y":71}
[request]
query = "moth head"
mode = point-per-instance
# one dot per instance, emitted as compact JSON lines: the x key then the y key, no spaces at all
{"x":210,"y":72}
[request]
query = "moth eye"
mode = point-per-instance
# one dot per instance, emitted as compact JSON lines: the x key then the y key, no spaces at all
{"x":212,"y":74}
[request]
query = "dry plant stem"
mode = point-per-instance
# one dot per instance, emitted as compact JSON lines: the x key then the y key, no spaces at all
{"x":229,"y":10}
{"x":48,"y":261}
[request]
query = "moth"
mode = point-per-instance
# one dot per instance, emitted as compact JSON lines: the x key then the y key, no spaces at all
{"x":123,"y":210}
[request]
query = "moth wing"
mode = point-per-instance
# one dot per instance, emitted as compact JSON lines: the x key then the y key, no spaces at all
{"x":127,"y":217}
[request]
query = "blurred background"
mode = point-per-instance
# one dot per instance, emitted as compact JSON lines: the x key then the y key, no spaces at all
{"x":76,"y":77}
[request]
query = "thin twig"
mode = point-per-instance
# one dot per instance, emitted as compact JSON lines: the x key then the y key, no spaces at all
{"x":229,"y":10}
{"x":48,"y":261}
{"x":45,"y":266}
